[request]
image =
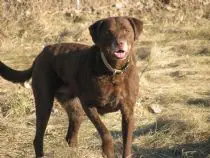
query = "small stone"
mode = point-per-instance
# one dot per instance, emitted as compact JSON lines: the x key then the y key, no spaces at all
{"x":118,"y":5}
{"x":155,"y":108}
{"x":169,"y":8}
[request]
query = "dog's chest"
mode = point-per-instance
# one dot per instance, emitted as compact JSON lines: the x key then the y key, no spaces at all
{"x":109,"y":90}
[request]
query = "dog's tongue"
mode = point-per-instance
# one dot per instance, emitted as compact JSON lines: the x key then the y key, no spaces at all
{"x":120,"y":54}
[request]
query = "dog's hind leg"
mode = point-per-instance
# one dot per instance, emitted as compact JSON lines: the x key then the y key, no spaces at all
{"x":43,"y":89}
{"x":76,"y":116}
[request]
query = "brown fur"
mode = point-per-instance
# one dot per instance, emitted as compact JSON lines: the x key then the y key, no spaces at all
{"x":76,"y":75}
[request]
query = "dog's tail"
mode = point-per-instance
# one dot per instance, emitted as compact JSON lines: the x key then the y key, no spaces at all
{"x":15,"y":76}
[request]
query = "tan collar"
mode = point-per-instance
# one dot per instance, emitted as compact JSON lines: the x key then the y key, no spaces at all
{"x":115,"y":71}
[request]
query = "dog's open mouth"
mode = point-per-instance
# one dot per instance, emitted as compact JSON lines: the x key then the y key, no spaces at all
{"x":121,"y":54}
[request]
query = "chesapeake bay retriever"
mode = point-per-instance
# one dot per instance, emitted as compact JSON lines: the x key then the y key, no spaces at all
{"x":97,"y":79}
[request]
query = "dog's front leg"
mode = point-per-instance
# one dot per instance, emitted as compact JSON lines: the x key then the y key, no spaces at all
{"x":107,"y":144}
{"x":127,"y":130}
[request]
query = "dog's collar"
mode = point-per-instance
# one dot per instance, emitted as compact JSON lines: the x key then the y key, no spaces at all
{"x":114,"y":71}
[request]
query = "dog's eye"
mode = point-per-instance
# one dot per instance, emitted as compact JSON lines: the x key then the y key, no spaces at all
{"x":108,"y":32}
{"x":126,"y":31}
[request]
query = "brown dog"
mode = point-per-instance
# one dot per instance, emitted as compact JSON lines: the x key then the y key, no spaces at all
{"x":97,"y":79}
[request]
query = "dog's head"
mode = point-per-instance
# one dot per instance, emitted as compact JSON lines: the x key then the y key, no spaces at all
{"x":116,"y":35}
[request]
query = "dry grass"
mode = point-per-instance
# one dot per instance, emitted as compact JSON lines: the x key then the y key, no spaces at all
{"x":174,"y":58}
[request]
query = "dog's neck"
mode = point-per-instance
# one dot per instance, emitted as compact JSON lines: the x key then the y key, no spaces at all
{"x":115,"y":66}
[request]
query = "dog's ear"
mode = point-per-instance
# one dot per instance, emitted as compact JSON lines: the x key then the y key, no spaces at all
{"x":94,"y":31}
{"x":137,"y":26}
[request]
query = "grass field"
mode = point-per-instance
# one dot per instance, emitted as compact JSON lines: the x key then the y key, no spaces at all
{"x":174,"y":67}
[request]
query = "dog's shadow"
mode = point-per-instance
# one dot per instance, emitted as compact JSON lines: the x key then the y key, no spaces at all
{"x":160,"y":125}
{"x":189,"y":150}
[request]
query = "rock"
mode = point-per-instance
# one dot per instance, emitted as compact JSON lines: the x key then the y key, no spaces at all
{"x":155,"y":108}
{"x":118,"y":5}
{"x":169,"y":8}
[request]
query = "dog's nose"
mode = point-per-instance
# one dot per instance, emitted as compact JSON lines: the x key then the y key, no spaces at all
{"x":120,"y":44}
